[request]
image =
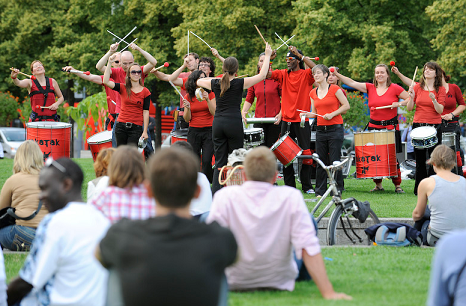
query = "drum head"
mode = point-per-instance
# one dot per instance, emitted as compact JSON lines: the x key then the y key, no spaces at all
{"x":101,"y":137}
{"x":47,"y":125}
{"x":253,"y":131}
{"x":423,"y":132}
{"x":181,"y":133}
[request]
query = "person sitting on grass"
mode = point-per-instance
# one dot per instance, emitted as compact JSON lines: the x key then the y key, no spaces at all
{"x":61,"y":268}
{"x":269,"y":222}
{"x":445,"y":194}
{"x":171,"y":259}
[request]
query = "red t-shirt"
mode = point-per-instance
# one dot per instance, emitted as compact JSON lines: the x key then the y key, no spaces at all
{"x":390,"y":96}
{"x":453,"y":99}
{"x":200,"y":114}
{"x":119,"y":75}
{"x":184,"y":76}
{"x":132,"y":108}
{"x":425,"y":111}
{"x":112,"y":96}
{"x":327,"y":104}
{"x":296,"y":86}
{"x":268,"y":95}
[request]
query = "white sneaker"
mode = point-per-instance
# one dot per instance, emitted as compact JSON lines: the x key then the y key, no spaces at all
{"x":310,"y":191}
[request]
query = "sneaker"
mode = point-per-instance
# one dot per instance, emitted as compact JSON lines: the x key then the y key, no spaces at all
{"x":310,"y":191}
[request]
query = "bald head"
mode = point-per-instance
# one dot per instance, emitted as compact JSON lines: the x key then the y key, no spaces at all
{"x":127,"y":59}
{"x":117,"y":60}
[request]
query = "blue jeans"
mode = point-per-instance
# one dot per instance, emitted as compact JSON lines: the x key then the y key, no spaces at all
{"x":17,"y":237}
{"x":303,"y":275}
{"x":114,"y":143}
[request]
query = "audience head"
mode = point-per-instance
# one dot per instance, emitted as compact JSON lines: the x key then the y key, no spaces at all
{"x":173,"y":177}
{"x":102,"y":161}
{"x":443,"y":157}
{"x":29,"y":158}
{"x":60,"y":182}
{"x":126,"y":168}
{"x":260,"y":165}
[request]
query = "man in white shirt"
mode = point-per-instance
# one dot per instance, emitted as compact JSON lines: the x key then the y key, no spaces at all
{"x":61,"y":268}
{"x":268,"y":223}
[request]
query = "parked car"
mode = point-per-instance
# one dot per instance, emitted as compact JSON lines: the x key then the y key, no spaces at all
{"x":11,"y":138}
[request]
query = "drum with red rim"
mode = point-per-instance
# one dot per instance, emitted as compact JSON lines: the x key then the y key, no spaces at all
{"x":53,"y":138}
{"x":99,"y":142}
{"x":286,"y":150}
{"x":179,"y":135}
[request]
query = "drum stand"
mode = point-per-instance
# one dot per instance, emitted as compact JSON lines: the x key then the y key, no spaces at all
{"x":449,"y":139}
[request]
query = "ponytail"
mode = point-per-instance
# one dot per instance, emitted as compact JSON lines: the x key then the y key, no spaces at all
{"x":224,"y":83}
{"x":230,"y":67}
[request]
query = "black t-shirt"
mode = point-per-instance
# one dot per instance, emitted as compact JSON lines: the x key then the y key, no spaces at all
{"x":229,"y":105}
{"x":168,"y":260}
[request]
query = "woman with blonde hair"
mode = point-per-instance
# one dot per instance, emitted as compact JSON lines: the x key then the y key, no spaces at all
{"x":126,"y":196}
{"x":101,"y":164}
{"x":442,"y":196}
{"x":21,"y":192}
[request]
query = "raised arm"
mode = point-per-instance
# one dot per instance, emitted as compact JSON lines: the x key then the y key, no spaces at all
{"x":205,"y":82}
{"x":305,"y":59}
{"x":217,"y":55}
{"x":251,"y":81}
{"x":407,"y":81}
{"x":164,"y":77}
{"x":91,"y":77}
{"x":101,"y":63}
{"x":26,"y":83}
{"x":174,"y":75}
{"x":350,"y":82}
{"x":151,"y":60}
{"x":107,"y":72}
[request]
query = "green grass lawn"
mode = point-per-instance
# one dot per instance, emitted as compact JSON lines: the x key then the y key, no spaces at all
{"x":373,"y":275}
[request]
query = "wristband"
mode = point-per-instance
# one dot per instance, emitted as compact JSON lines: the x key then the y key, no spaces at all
{"x":452,"y":115}
{"x":14,"y":78}
{"x":302,"y":58}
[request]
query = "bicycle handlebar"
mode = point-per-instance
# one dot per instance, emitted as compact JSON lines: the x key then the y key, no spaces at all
{"x":336,"y":165}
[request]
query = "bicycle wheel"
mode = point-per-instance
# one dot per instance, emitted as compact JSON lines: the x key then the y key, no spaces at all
{"x":344,"y":229}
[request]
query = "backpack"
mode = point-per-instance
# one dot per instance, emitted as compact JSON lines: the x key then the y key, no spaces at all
{"x":394,"y":234}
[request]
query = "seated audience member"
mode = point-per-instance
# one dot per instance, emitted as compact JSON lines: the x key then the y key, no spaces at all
{"x":269,"y":222}
{"x":201,"y":204}
{"x":448,"y":276}
{"x":126,"y":196}
{"x":61,"y":268}
{"x":170,"y":259}
{"x":101,"y":163}
{"x":21,"y":191}
{"x":444,"y":195}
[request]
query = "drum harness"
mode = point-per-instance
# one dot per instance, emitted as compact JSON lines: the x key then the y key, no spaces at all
{"x":393,"y":121}
{"x":34,"y":115}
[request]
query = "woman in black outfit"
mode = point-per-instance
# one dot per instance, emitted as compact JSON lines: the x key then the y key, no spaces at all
{"x":227,"y":128}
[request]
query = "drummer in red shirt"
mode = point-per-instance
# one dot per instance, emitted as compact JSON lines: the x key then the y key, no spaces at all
{"x":200,"y":115}
{"x":329,"y":102}
{"x":43,"y":91}
{"x":382,"y":93}
{"x":268,"y":95}
{"x":296,"y":83}
{"x":429,"y":98}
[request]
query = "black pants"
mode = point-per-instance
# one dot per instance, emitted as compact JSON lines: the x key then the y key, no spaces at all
{"x":328,"y":146}
{"x":421,"y":156}
{"x":127,"y":134}
{"x":201,"y":139}
{"x":271,"y":132}
{"x":227,"y":135}
{"x":304,"y":141}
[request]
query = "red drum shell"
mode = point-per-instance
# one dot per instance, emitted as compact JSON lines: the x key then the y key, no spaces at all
{"x":286,"y":150}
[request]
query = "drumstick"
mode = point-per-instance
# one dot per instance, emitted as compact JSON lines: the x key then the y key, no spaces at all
{"x":29,"y":76}
{"x":121,"y":39}
{"x":284,"y":43}
{"x":127,"y":34}
{"x":414,"y":77}
{"x":38,"y":106}
{"x":303,"y":111}
{"x":281,"y":40}
{"x":260,"y":34}
{"x":382,"y":107}
{"x":128,"y":45}
{"x":171,"y":83}
{"x":241,"y":76}
{"x":188,"y":41}
{"x":166,"y":64}
{"x":77,"y":71}
{"x":202,"y":40}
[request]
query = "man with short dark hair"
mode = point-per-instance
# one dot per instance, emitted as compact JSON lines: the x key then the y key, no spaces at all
{"x":269,"y":222}
{"x":170,"y":259}
{"x":61,"y":268}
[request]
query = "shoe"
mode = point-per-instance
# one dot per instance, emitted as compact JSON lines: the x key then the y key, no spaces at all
{"x":310,"y":191}
{"x":399,"y":190}
{"x":318,"y":196}
{"x":376,"y":188}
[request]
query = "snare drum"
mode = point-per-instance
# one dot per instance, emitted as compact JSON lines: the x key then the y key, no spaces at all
{"x":253,"y":137}
{"x":449,"y":139}
{"x":286,"y":150}
{"x":375,"y":154}
{"x":53,"y":138}
{"x":179,"y":135}
{"x":424,"y":137}
{"x":98,"y":142}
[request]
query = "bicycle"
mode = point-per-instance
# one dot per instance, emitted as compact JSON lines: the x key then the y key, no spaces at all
{"x":344,"y":208}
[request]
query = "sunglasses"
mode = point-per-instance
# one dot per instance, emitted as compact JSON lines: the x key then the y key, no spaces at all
{"x":204,"y":64}
{"x":136,"y":71}
{"x":290,"y":58}
{"x":50,"y":162}
{"x":116,"y":62}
